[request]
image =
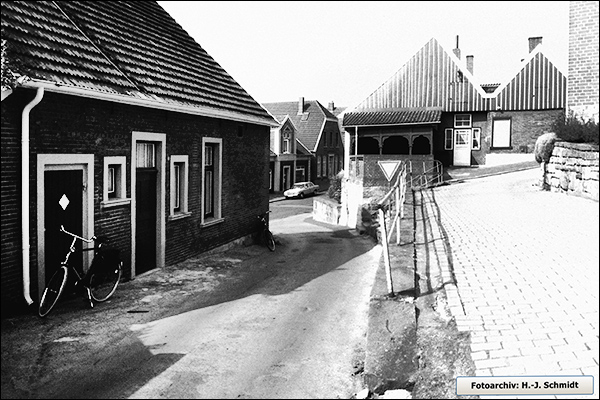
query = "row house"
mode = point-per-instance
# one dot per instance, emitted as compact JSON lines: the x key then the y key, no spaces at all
{"x":118,"y":123}
{"x":319,"y":145}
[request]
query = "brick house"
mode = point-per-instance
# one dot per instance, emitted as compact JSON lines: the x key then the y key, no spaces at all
{"x":120,"y":124}
{"x":435,"y":108}
{"x":320,"y":150}
{"x":583,"y":94}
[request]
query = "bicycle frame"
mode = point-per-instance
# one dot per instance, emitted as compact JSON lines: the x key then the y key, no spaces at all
{"x":98,"y":285}
{"x":72,"y":247}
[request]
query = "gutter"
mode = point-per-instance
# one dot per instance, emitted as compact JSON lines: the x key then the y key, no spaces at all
{"x":25,"y":191}
{"x":134,"y":101}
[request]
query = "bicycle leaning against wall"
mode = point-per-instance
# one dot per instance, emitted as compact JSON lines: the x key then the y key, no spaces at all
{"x":266,"y":236}
{"x":99,"y":282}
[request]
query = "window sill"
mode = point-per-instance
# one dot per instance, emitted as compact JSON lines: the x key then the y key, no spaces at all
{"x":179,"y":215}
{"x":115,"y":203}
{"x":211,"y":222}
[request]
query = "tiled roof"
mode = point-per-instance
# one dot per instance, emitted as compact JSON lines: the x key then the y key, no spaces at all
{"x":309,"y":123}
{"x":392,"y":117}
{"x":128,"y":48}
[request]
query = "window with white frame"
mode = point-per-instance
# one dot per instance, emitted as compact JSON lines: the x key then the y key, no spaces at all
{"x":211,"y":179}
{"x":462,"y":120}
{"x":476,"y":143}
{"x":179,"y":186}
{"x":501,"y":133}
{"x":448,"y":138}
{"x":286,"y":143}
{"x":286,"y":146}
{"x":114,"y":189}
{"x":330,"y":171}
{"x":146,"y":155}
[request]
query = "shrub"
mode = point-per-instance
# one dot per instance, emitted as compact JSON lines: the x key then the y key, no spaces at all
{"x":576,"y":129}
{"x":543,"y":147}
{"x":335,"y":187}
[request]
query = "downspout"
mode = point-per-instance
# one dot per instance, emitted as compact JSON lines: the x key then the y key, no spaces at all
{"x":25,"y":190}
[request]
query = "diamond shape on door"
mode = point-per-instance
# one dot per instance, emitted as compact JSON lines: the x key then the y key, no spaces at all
{"x":64,"y":202}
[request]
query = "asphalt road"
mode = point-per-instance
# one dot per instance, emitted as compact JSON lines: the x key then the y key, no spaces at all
{"x":245,"y":323}
{"x":296,"y":334}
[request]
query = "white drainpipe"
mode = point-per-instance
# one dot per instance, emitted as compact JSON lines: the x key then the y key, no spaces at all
{"x":25,"y":190}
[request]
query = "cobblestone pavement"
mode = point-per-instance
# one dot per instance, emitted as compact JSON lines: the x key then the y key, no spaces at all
{"x":521,"y":274}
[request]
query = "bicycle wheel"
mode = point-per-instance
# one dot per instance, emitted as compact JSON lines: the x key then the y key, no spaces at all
{"x":103,"y":283}
{"x":270,"y":240}
{"x":53,"y":291}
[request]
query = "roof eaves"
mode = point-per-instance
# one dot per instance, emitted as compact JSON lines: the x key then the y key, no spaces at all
{"x":320,"y":134}
{"x":144,"y":101}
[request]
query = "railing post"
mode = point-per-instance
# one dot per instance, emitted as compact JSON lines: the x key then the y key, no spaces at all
{"x":386,"y":254}
{"x":398,"y":208}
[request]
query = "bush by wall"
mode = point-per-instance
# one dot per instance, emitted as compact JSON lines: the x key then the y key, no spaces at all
{"x":576,"y":129}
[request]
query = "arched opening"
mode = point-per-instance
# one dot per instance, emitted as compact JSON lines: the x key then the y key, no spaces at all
{"x":421,"y":145}
{"x":367,"y":145}
{"x":396,"y":145}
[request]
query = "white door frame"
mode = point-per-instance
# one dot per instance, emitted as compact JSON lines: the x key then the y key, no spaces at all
{"x":63,"y":162}
{"x":462,"y":147}
{"x":161,"y":156}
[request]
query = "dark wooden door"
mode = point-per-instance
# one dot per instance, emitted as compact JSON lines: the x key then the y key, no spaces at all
{"x":63,"y":205}
{"x":145,"y":227}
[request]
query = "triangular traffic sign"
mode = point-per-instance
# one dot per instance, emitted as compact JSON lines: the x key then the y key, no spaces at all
{"x":389,"y":168}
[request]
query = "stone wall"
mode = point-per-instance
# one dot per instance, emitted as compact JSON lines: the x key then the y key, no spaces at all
{"x":573,"y":169}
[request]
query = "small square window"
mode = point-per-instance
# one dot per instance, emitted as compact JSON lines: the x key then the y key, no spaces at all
{"x":462,"y":121}
{"x":114,"y":189}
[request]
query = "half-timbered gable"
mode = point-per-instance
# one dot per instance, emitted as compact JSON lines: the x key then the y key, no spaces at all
{"x":432,"y":78}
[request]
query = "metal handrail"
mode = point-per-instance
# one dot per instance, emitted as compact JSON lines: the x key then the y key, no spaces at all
{"x":393,"y":201}
{"x":423,"y":180}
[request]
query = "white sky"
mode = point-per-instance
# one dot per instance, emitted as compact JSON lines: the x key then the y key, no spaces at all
{"x":342,"y":51}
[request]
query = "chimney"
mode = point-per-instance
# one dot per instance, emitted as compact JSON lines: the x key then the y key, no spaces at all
{"x":301,"y":105}
{"x":331,"y":107}
{"x":470,"y":63}
{"x":533,"y":42}
{"x":457,"y":49}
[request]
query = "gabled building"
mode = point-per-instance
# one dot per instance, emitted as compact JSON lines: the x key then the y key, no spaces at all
{"x":118,"y":123}
{"x":318,"y":136}
{"x":284,"y":156}
{"x":433,"y":107}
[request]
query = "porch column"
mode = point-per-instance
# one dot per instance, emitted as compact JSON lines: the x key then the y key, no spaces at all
{"x":346,"y":154}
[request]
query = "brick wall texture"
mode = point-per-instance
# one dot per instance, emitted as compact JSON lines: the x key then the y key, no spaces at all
{"x":583,"y":77}
{"x":74,"y":125}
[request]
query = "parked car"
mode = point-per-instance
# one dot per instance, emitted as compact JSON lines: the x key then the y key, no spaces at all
{"x":301,"y":189}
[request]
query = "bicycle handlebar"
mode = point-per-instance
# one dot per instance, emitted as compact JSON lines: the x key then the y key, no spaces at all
{"x":90,"y":240}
